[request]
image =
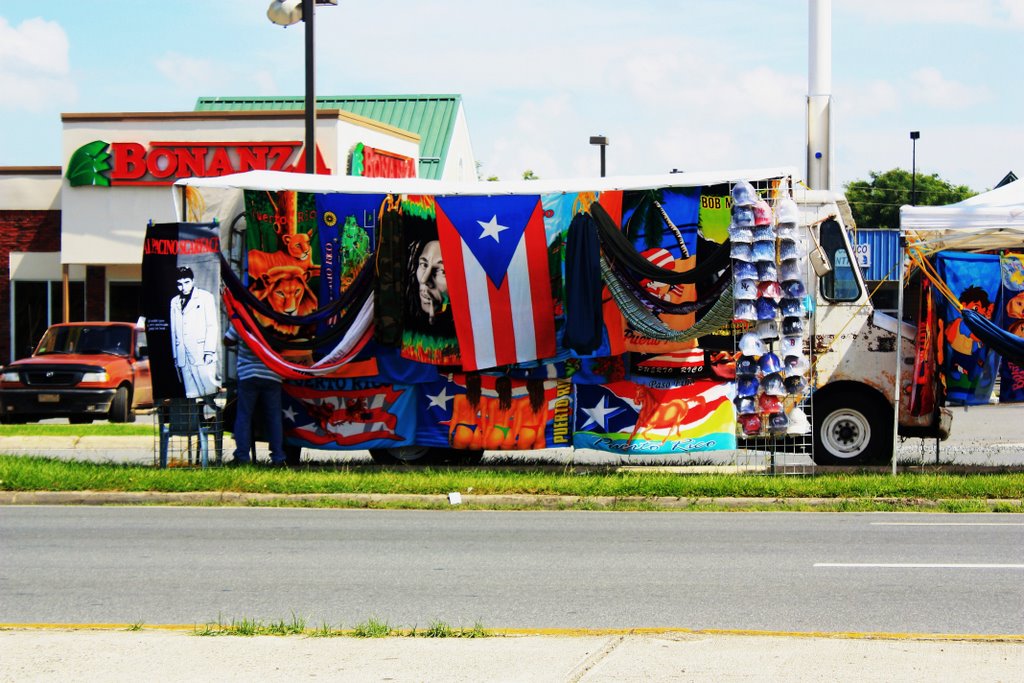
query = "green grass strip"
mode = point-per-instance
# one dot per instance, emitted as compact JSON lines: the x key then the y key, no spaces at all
{"x":25,"y":473}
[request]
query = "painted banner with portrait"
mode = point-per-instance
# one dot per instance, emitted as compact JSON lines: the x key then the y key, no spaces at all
{"x":181,"y":278}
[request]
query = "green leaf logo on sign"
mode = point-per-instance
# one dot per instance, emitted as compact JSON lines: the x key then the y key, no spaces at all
{"x":88,"y":165}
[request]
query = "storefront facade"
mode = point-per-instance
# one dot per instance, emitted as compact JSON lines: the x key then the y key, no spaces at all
{"x":74,"y":233}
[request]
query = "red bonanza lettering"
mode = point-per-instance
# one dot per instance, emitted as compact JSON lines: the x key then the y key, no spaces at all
{"x":129,"y":161}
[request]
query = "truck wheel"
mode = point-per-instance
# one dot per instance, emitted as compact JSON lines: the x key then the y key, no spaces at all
{"x":404,"y":455}
{"x":292,"y":455}
{"x":120,"y":407}
{"x":851,"y":428}
{"x":424,"y":455}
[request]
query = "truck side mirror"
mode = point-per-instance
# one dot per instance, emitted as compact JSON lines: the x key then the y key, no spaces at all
{"x":142,"y":353}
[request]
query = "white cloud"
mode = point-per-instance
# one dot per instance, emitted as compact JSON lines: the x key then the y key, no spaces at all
{"x":928,"y":85}
{"x":194,"y":77}
{"x":34,"y":68}
{"x":988,"y":13}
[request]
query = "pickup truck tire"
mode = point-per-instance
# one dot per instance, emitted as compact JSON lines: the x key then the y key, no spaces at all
{"x":120,"y":407}
{"x":424,"y":455}
{"x":404,"y":455}
{"x":292,"y":455}
{"x":851,"y":428}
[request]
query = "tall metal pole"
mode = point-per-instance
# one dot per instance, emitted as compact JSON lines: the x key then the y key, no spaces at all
{"x":819,"y":95}
{"x":602,"y":160}
{"x":307,"y":16}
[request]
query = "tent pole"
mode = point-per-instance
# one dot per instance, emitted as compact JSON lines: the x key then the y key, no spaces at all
{"x":899,"y":350}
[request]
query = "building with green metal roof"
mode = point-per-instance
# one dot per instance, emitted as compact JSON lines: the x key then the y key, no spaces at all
{"x":439,"y":120}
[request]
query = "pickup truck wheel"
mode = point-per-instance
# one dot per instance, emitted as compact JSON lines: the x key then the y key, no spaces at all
{"x":851,"y":428}
{"x":120,"y":407}
{"x":404,"y":455}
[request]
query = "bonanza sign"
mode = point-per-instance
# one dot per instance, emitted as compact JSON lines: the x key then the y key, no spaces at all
{"x":104,"y":164}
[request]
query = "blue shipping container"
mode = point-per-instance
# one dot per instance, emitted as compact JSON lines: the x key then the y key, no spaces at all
{"x":877,"y":253}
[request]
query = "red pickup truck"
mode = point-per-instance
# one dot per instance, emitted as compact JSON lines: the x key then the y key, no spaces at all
{"x":81,"y":371}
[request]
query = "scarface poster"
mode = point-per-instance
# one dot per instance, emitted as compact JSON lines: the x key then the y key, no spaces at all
{"x":181,"y":279}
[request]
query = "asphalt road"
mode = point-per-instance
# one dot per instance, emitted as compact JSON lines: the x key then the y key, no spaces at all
{"x":927,"y":573}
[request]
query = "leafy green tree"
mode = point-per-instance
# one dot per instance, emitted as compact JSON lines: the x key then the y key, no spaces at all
{"x":876,"y":203}
{"x":528,"y":174}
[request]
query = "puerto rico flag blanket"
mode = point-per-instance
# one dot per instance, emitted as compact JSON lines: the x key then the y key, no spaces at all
{"x":445,"y":320}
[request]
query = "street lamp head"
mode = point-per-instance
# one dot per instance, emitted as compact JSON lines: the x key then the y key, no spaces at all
{"x":598,"y":140}
{"x":915,"y":134}
{"x":285,"y":12}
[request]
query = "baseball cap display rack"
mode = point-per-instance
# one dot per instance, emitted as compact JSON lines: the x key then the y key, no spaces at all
{"x":772,"y":330}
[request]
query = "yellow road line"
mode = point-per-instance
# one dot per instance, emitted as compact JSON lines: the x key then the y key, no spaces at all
{"x":580,"y":632}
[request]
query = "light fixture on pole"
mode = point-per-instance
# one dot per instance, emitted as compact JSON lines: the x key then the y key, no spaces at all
{"x":286,"y":13}
{"x":914,"y":135}
{"x":602,"y":142}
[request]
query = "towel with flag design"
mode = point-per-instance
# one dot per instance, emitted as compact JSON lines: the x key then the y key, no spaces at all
{"x":496,"y":263}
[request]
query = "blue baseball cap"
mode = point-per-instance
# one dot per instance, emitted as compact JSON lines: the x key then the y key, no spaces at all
{"x":767,"y":309}
{"x":742,"y":269}
{"x":746,"y":387}
{"x":746,"y":405}
{"x":745,"y":310}
{"x":741,"y":251}
{"x":746,"y":366}
{"x":743,"y":194}
{"x":767,"y":270}
{"x":794,"y":289}
{"x":764,"y":250}
{"x":769,"y":363}
{"x":746,"y":289}
{"x":791,"y":306}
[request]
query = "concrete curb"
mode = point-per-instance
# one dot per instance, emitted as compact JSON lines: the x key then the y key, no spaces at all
{"x":547,"y":502}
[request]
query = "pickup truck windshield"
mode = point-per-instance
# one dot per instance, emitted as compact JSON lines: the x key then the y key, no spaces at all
{"x":85,"y":340}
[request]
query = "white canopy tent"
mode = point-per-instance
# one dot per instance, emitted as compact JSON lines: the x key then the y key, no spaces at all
{"x":991,"y":220}
{"x":988,"y":221}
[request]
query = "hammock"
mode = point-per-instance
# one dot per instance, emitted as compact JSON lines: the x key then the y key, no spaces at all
{"x":333,"y":365}
{"x":623,"y":252}
{"x":656,"y":303}
{"x":1005,"y":343}
{"x":649,"y":325}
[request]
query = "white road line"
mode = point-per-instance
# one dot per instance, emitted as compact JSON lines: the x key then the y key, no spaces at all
{"x":915,"y":565}
{"x":947,"y":523}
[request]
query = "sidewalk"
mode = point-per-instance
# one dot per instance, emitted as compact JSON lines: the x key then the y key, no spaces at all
{"x":46,"y":655}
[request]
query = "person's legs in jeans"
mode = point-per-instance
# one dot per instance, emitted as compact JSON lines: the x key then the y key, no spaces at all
{"x":270,"y":402}
{"x":247,"y":397}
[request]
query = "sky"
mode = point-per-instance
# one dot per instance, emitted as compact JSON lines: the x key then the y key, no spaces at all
{"x":694,"y":85}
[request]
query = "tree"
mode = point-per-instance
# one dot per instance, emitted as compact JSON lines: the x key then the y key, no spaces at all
{"x":528,"y":174}
{"x":876,"y":203}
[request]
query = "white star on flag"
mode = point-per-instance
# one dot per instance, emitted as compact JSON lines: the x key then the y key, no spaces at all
{"x":492,"y":228}
{"x":289,"y":412}
{"x":440,"y":400}
{"x":599,"y":414}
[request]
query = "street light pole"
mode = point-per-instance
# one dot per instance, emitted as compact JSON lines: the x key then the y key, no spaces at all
{"x":602,"y":142}
{"x":914,"y":135}
{"x":286,"y":13}
{"x":308,"y":13}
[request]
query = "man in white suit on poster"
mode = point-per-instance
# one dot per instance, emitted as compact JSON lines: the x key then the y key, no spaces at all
{"x":195,"y":335}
